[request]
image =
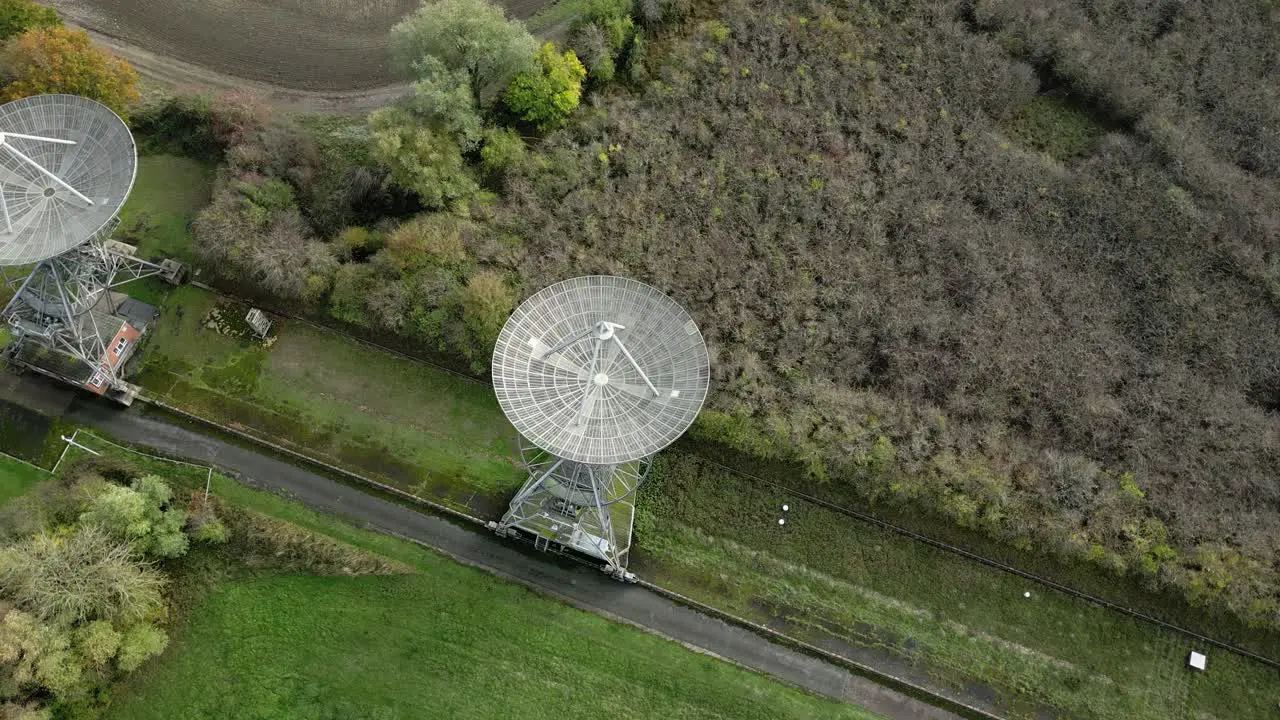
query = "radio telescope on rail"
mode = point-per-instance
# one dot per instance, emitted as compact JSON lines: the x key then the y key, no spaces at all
{"x":598,"y":374}
{"x":67,"y":164}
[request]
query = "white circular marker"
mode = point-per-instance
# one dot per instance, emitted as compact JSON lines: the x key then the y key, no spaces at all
{"x":785,"y":508}
{"x":1026,"y":594}
{"x":782,"y":521}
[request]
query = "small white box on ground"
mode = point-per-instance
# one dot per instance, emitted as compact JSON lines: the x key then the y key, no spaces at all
{"x":1197,"y":660}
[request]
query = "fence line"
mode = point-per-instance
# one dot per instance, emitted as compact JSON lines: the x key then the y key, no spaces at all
{"x":28,"y":463}
{"x":118,"y":446}
{"x":208,"y":480}
{"x":330,"y":467}
{"x":65,"y":447}
{"x":1223,"y":645}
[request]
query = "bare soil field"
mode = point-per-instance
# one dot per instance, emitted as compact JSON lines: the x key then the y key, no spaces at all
{"x":309,"y":45}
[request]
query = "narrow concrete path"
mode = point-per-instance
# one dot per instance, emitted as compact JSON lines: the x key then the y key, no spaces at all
{"x":582,"y":586}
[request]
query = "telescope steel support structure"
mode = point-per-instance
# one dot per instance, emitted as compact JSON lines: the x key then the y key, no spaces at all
{"x":589,"y":508}
{"x":52,"y":304}
{"x":597,"y":374}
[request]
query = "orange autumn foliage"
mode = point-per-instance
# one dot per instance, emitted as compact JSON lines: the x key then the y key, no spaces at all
{"x":59,"y":60}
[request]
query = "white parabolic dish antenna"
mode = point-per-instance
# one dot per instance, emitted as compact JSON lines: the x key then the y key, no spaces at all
{"x":600,"y":370}
{"x":67,"y":164}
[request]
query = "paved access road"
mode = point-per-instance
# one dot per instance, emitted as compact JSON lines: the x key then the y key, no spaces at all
{"x":582,"y":586}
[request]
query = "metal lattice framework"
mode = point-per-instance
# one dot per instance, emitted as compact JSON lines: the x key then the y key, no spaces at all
{"x":598,"y":374}
{"x":67,"y":165}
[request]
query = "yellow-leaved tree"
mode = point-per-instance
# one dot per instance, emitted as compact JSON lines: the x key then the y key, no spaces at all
{"x":58,"y":60}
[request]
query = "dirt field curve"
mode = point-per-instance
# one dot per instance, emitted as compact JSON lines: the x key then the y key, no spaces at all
{"x":320,"y":55}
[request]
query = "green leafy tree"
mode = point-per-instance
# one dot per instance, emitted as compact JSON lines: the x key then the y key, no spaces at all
{"x":19,"y":16}
{"x":485,"y":302}
{"x":592,"y":44}
{"x":546,"y":96}
{"x":121,"y":512}
{"x":423,"y":159}
{"x":600,"y":33}
{"x":139,"y":643}
{"x":33,"y":652}
{"x":97,"y":642}
{"x":502,"y":150}
{"x":468,"y":36}
{"x":58,"y":60}
{"x":141,"y":516}
{"x":613,"y":17}
{"x":443,"y":100}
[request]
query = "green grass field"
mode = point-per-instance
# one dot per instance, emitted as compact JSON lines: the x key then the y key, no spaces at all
{"x":168,"y":192}
{"x":448,"y":641}
{"x":16,"y":477}
{"x":419,"y":429}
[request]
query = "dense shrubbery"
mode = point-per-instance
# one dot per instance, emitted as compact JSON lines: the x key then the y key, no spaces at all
{"x":902,"y":294}
{"x":175,"y":124}
{"x":1208,"y":66}
{"x":81,"y":598}
{"x":325,"y":213}
{"x":274,"y":224}
{"x":428,"y":282}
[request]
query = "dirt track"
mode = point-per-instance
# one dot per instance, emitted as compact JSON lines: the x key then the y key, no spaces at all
{"x":312,"y":55}
{"x":179,"y":75}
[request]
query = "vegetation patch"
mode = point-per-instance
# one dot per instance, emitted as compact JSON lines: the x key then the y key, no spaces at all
{"x":925,"y":315}
{"x":167,"y":194}
{"x":1055,"y":126}
{"x":83,"y":594}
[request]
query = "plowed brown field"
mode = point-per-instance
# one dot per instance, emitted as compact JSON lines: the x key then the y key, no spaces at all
{"x":322,"y":45}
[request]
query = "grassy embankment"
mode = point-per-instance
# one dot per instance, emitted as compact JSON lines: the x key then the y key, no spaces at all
{"x":714,"y":535}
{"x":444,"y":641}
